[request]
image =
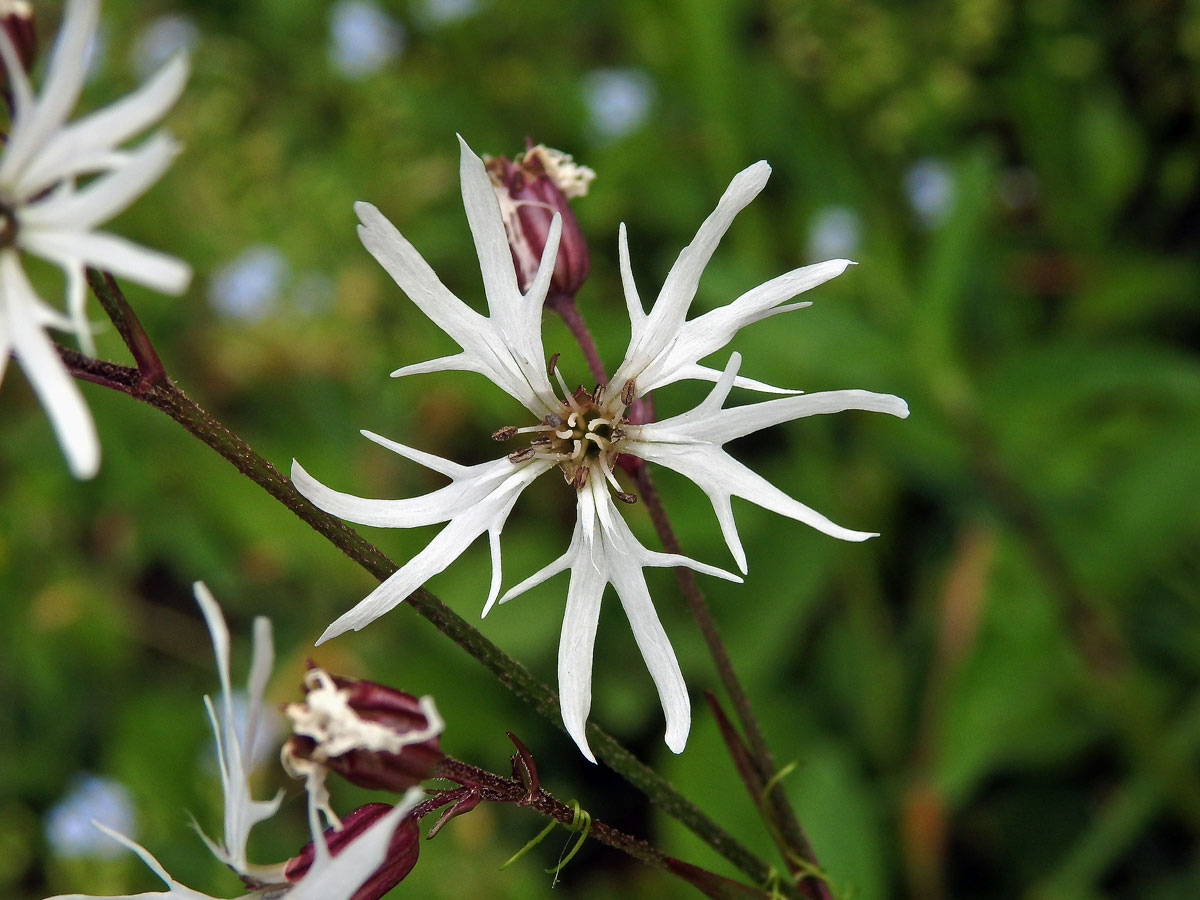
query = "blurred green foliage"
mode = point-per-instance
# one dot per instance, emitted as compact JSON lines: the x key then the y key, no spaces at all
{"x":996,"y":698}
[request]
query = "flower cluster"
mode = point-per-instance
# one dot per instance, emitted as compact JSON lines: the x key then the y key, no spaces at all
{"x":365,"y":855}
{"x":47,"y":211}
{"x":582,"y":433}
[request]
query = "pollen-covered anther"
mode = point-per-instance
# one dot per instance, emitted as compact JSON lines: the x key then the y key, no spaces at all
{"x":508,"y":432}
{"x":624,"y":497}
{"x":522,"y":455}
{"x":628,"y":391}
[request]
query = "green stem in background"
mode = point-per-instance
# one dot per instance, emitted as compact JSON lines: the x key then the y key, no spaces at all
{"x":167,"y":398}
{"x":780,"y":818}
{"x":1087,"y":621}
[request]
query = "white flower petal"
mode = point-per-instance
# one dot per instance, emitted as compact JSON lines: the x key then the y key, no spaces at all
{"x":633,"y":302}
{"x":604,"y":551}
{"x":690,"y":444}
{"x":104,"y":196}
{"x":443,"y":466}
{"x":479,"y":500}
{"x":487,"y":230}
{"x":36,"y":121}
{"x":413,"y":275}
{"x":242,"y":811}
{"x":720,"y":476}
{"x":86,"y":145}
{"x":72,"y":250}
{"x":505,"y":348}
{"x":561,"y":564}
{"x":176,"y":890}
{"x":470,"y":486}
{"x":656,"y":650}
{"x":711,"y":331}
{"x":338,"y":877}
{"x":575,"y":648}
{"x":651,"y":336}
{"x":55,"y":388}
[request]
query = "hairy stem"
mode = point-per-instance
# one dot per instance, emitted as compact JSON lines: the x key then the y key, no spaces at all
{"x":480,"y":785}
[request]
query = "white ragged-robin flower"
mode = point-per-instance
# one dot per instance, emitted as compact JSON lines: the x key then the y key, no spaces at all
{"x":47,"y":211}
{"x":583,"y":433}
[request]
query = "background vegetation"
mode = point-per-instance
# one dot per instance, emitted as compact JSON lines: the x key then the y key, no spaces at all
{"x":997,"y":698}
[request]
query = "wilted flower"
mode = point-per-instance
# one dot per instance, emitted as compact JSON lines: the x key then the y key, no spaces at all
{"x":582,"y":433}
{"x":45,"y":212}
{"x":355,"y":865}
{"x":399,"y":858}
{"x":374,"y":736}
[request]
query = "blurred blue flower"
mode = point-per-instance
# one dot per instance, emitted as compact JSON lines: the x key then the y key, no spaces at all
{"x":617,"y":100}
{"x":247,"y":287}
{"x":159,"y":40}
{"x":362,"y":37}
{"x":835,"y":231}
{"x":443,"y":12}
{"x":69,"y":829}
{"x":929,"y":186}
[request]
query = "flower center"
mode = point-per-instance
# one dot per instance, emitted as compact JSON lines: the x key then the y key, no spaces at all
{"x":8,"y":226}
{"x":583,"y":436}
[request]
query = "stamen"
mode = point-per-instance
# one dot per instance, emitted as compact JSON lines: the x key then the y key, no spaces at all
{"x":506,"y":433}
{"x":625,"y":498}
{"x":563,"y":386}
{"x":580,"y":478}
{"x":531,"y":428}
{"x":522,"y":455}
{"x":552,"y":365}
{"x":597,"y":392}
{"x":553,"y":420}
{"x":627,"y":392}
{"x":617,"y":435}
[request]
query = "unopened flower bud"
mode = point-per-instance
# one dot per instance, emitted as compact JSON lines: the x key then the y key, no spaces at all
{"x":373,"y":736}
{"x":531,"y":189}
{"x":399,"y":861}
{"x":16,"y":18}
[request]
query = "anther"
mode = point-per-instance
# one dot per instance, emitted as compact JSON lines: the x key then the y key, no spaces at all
{"x":552,"y":364}
{"x":625,"y":498}
{"x":553,"y":420}
{"x":520,"y":456}
{"x":617,"y":435}
{"x":627,"y":392}
{"x":580,"y":477}
{"x":540,"y":441}
{"x":506,"y":433}
{"x":597,"y":392}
